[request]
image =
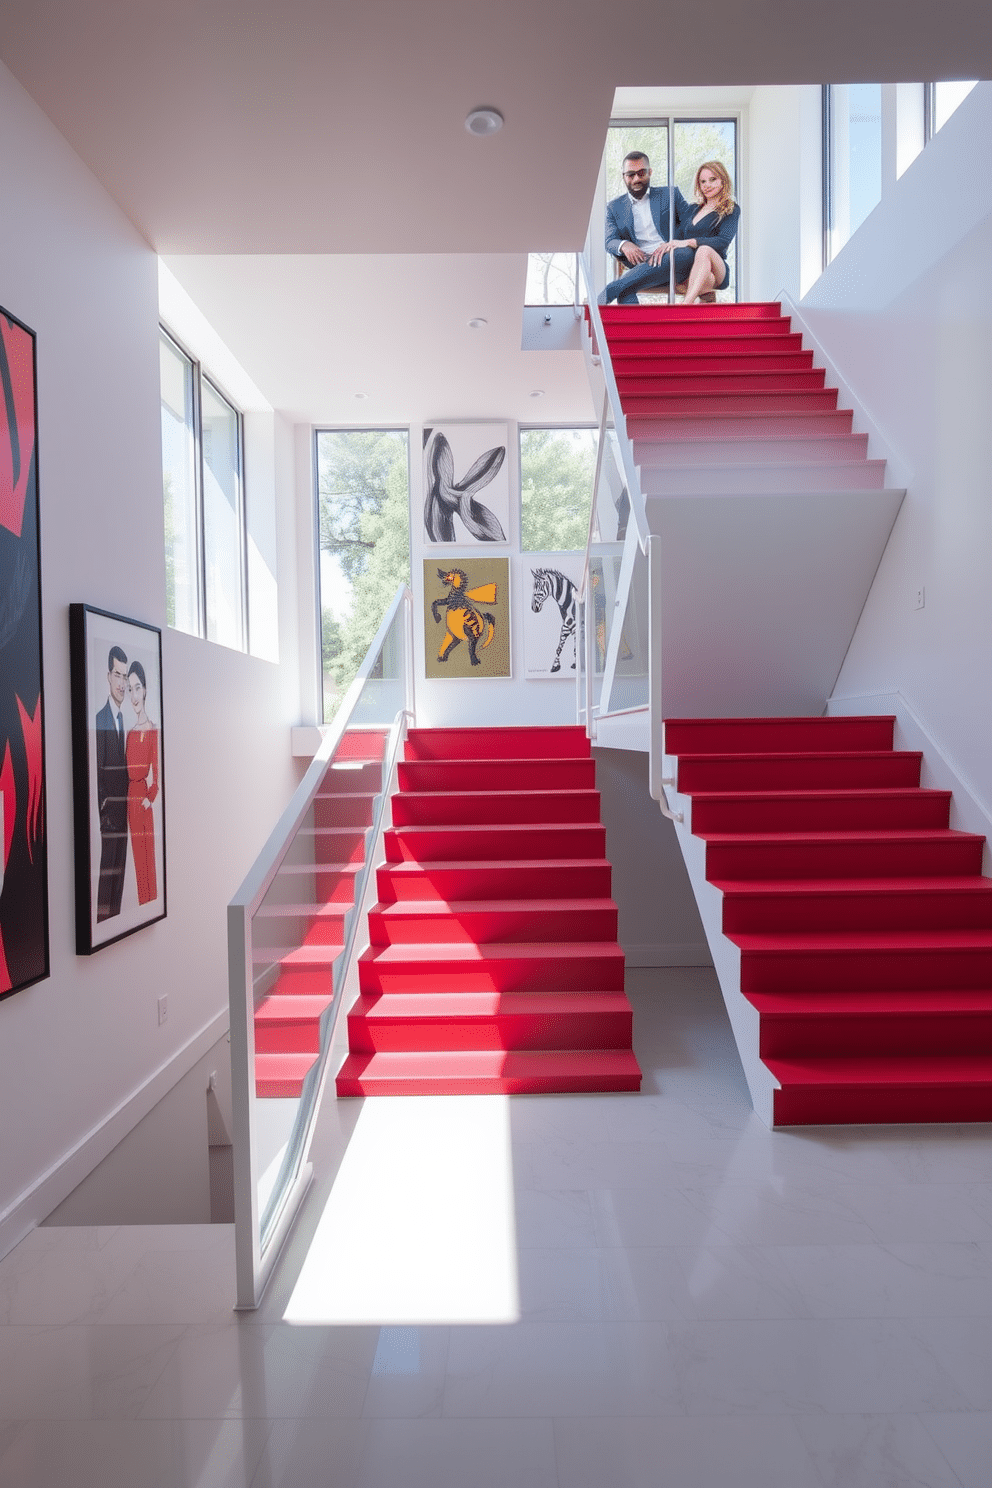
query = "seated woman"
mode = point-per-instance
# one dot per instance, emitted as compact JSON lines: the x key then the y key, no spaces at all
{"x":711,"y":228}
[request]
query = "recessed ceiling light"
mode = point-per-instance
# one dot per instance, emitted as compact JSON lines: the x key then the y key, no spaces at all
{"x":483,"y":121}
{"x":477,"y":323}
{"x":538,"y":393}
{"x":361,"y":395}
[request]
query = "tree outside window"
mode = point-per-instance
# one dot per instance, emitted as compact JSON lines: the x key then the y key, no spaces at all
{"x":363,"y":514}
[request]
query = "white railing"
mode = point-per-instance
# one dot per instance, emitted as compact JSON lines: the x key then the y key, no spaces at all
{"x":641,"y":550}
{"x":268,"y":1187}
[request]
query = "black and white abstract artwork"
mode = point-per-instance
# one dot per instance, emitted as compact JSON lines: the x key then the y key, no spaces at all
{"x":466,"y":484}
{"x":551,"y":586}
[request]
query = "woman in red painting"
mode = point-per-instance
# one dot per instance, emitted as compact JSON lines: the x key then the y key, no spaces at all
{"x":142,"y":770}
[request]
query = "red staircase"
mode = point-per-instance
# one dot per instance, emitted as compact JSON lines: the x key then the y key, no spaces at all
{"x":863,"y":922}
{"x":315,"y":892}
{"x":724,"y":398}
{"x":493,"y":965}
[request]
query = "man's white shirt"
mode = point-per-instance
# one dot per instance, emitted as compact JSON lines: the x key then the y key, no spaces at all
{"x":646,"y":235}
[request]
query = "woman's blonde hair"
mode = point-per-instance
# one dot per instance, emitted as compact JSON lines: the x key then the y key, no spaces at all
{"x":725,"y":201}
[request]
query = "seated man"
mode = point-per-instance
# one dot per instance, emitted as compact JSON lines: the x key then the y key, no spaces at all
{"x":637,"y":234}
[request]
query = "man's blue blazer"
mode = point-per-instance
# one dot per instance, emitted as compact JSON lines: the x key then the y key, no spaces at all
{"x":620,"y":217}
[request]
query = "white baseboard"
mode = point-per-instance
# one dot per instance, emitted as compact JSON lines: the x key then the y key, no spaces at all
{"x":687,"y":953}
{"x":38,"y":1200}
{"x":969,"y":813}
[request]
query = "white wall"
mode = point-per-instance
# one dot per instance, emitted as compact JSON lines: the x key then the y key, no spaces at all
{"x":82,"y":1056}
{"x":781,"y":205}
{"x":905,"y":313}
{"x":659,"y":921}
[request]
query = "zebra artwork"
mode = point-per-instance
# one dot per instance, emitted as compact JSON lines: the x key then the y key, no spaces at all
{"x":551,"y":583}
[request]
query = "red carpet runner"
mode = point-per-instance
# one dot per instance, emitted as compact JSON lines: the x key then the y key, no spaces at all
{"x":864,"y":925}
{"x":723,"y":398}
{"x":493,"y":966}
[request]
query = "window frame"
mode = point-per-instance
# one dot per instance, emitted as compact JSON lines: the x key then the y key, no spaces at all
{"x":671,"y":121}
{"x":199,"y":377}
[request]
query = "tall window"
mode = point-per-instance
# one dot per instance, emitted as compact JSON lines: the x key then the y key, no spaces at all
{"x":363,"y":524}
{"x":695,"y":141}
{"x":852,"y":134}
{"x":205,"y":548}
{"x":557,"y":470}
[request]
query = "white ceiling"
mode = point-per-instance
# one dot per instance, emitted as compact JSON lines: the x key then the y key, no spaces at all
{"x":250,"y":127}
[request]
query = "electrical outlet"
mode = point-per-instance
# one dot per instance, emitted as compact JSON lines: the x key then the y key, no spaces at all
{"x":921,"y":598}
{"x":163,"y":1008}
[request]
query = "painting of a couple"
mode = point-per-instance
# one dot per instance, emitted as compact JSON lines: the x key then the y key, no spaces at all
{"x":117,"y":760}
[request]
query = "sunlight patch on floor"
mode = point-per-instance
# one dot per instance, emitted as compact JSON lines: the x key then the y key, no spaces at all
{"x":419,"y":1226}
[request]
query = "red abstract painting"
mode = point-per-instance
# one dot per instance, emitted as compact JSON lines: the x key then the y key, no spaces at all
{"x":23,"y":848}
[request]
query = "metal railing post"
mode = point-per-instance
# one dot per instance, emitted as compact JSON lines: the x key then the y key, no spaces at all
{"x":671,"y":209}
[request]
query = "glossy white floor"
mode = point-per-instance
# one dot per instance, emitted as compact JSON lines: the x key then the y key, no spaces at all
{"x":594,"y":1292}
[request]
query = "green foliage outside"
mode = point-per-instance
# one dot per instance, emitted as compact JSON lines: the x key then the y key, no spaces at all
{"x":557,"y":470}
{"x":695,"y":141}
{"x":364,"y":515}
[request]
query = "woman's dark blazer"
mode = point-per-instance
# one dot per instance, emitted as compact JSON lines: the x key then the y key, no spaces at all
{"x":711,"y":231}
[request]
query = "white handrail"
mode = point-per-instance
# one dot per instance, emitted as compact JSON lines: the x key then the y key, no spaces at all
{"x":648,"y":542}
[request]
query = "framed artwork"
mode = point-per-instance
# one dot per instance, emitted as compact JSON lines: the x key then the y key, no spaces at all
{"x":466,"y":484}
{"x":551,"y":586}
{"x":118,"y":775}
{"x":23,"y":838}
{"x":467,"y":617}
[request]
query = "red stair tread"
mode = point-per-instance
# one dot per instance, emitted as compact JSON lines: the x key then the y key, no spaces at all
{"x":444,"y":908}
{"x":281,"y":1076}
{"x":282,"y":1007}
{"x":493,"y":1072}
{"x":373,"y":1005}
{"x":870,"y":834}
{"x":302,"y":957}
{"x":899,"y":1069}
{"x":911,"y":1000}
{"x":828,"y":942}
{"x":964,"y":883}
{"x":496,"y":950}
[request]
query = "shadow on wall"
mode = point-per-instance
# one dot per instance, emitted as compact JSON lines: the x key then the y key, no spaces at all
{"x":659,"y":921}
{"x":175,"y":1166}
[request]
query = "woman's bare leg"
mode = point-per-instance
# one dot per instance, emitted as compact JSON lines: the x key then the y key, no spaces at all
{"x":706,"y":267}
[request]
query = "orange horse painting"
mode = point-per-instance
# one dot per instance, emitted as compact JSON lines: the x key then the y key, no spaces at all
{"x":464,"y":621}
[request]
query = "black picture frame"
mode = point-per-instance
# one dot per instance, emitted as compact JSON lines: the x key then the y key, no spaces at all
{"x":118,"y":725}
{"x":24,"y":940}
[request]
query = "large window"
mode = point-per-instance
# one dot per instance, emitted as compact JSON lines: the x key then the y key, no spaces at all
{"x":205,"y":549}
{"x":852,"y":133}
{"x":363,"y":523}
{"x":695,"y":141}
{"x":557,"y":470}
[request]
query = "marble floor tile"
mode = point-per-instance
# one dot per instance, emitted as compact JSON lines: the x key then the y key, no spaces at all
{"x":409,"y":1454}
{"x":80,"y":1371}
{"x":561,"y":1369}
{"x":803,"y":1366}
{"x":133,"y":1454}
{"x":265,"y":1371}
{"x":875,"y":1452}
{"x":966,"y":1442}
{"x":943,"y":1280}
{"x":681,"y":1452}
